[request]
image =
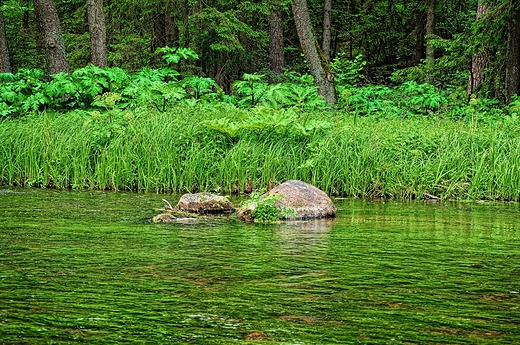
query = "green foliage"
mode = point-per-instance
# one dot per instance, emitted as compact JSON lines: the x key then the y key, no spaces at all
{"x":369,"y":100}
{"x":265,"y":208}
{"x":105,"y":126}
{"x":253,"y":91}
{"x":347,"y":73}
{"x":448,"y":71}
{"x":423,"y":98}
{"x":175,"y":54}
{"x":266,"y":122}
{"x":198,"y":87}
{"x":177,"y":151}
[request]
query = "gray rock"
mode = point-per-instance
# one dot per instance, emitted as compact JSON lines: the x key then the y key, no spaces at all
{"x":306,"y":200}
{"x":204,"y":203}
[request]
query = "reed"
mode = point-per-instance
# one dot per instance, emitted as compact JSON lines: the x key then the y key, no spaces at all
{"x":173,"y":152}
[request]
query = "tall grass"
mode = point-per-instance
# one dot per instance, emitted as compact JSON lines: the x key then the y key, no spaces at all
{"x":174,"y":152}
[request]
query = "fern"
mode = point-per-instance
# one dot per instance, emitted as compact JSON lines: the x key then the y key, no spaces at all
{"x":197,"y":86}
{"x":174,"y":55}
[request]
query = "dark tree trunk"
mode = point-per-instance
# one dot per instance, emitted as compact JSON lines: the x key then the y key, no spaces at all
{"x":5,"y":64}
{"x":158,"y":30}
{"x":172,"y":32}
{"x":52,"y":38}
{"x":317,"y":64}
{"x":276,"y":41}
{"x":479,"y":60}
{"x":420,"y":53}
{"x":185,"y":22}
{"x":164,"y":27}
{"x":325,"y":44}
{"x":430,"y":30}
{"x":98,"y":33}
{"x":513,"y":58}
{"x":25,"y":19}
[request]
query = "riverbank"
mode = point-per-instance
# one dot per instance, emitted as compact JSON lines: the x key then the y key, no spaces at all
{"x":225,"y":149}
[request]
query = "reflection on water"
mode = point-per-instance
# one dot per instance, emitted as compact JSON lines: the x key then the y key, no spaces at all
{"x":89,"y":266}
{"x":304,"y":236}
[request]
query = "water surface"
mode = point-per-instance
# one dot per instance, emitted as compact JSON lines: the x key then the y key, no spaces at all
{"x":90,"y":267}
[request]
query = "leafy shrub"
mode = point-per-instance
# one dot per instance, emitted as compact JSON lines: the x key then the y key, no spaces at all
{"x":253,"y":91}
{"x":265,"y":208}
{"x":422,"y":98}
{"x":266,"y":122}
{"x":347,"y":73}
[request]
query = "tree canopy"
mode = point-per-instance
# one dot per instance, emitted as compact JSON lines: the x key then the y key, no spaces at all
{"x":441,"y":42}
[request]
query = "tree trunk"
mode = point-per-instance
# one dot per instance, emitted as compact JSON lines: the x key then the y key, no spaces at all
{"x":164,"y":26}
{"x":479,"y":60}
{"x":276,"y":44}
{"x":158,"y":30}
{"x":185,"y":42}
{"x":98,"y":33}
{"x":25,"y":20}
{"x":419,"y":35}
{"x":49,"y":24}
{"x":325,"y":44}
{"x":513,"y":58}
{"x":317,"y":64}
{"x":5,"y":64}
{"x":430,"y":30}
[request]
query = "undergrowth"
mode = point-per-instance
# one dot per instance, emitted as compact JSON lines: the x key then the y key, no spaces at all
{"x":224,"y":148}
{"x":160,"y":131}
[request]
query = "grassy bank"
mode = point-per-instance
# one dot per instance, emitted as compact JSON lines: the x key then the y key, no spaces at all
{"x":221,"y":148}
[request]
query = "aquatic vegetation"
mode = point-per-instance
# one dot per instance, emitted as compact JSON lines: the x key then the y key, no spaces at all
{"x":261,"y":207}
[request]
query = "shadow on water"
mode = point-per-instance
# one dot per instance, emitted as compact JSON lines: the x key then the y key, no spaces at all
{"x":90,"y":267}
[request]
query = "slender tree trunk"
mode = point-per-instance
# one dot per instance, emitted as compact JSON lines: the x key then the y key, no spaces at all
{"x":317,"y":64}
{"x":54,"y":45}
{"x":5,"y":64}
{"x":164,"y":27}
{"x":98,"y":32}
{"x":513,"y":59}
{"x":158,"y":30}
{"x":25,"y":19}
{"x":172,"y":32}
{"x":325,"y":44}
{"x":430,"y":30}
{"x":185,"y":22}
{"x":276,"y":44}
{"x":419,"y":35}
{"x":479,"y":60}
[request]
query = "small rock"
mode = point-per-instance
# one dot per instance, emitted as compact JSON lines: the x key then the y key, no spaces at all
{"x":205,"y":203}
{"x":164,"y":218}
{"x":255,"y":336}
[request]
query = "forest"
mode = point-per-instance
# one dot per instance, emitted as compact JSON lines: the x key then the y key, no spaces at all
{"x":362,"y":97}
{"x":451,"y":44}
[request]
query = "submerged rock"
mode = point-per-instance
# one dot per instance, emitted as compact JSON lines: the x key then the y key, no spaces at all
{"x":307,"y":201}
{"x":205,"y":203}
{"x":164,"y":218}
{"x":168,"y":217}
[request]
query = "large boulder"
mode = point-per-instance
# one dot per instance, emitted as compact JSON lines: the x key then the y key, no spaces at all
{"x":304,"y":201}
{"x":205,"y":203}
{"x":307,"y":201}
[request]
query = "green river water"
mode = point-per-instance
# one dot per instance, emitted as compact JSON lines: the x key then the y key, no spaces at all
{"x":89,"y":267}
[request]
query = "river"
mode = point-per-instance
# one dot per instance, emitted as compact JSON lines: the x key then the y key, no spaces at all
{"x":89,"y":266}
